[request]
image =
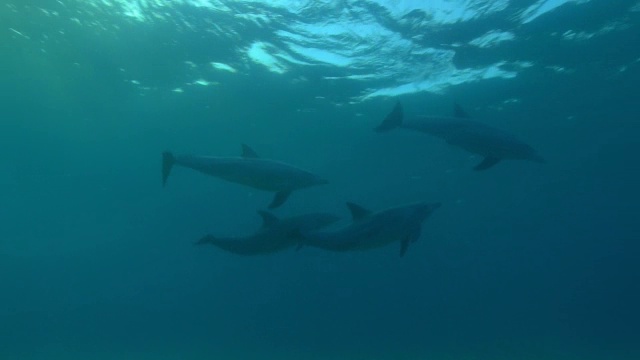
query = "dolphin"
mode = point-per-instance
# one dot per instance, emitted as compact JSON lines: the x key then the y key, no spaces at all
{"x":370,"y":230}
{"x":477,"y":138}
{"x":274,"y":235}
{"x":248,"y":169}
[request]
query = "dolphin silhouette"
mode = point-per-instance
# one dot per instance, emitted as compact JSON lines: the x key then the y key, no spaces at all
{"x":248,"y":169}
{"x":274,"y":235}
{"x":370,"y":230}
{"x":491,"y":143}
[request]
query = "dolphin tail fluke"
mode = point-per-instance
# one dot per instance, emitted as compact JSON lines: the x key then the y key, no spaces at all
{"x":393,"y":119}
{"x":488,"y":162}
{"x":208,"y":239}
{"x":279,"y":198}
{"x":167,"y":163}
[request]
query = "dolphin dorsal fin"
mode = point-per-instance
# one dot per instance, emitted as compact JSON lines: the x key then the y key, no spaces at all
{"x":268,"y":219}
{"x":357,"y":211}
{"x":393,"y":119}
{"x":248,"y":152}
{"x":459,"y":112}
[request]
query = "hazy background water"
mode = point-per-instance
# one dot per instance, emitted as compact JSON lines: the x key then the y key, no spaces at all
{"x":522,"y":261}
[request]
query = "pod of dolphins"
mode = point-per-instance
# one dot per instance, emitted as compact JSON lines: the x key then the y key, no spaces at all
{"x":367,"y":229}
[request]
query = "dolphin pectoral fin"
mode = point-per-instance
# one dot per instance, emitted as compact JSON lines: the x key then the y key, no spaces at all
{"x":415,"y":235}
{"x":412,"y":237}
{"x":167,"y":164}
{"x":393,"y":119}
{"x":404,"y":245}
{"x":538,"y":159}
{"x":488,"y":162}
{"x":248,"y":153}
{"x":279,"y":198}
{"x":297,"y":235}
{"x":208,"y":239}
{"x":268,"y":219}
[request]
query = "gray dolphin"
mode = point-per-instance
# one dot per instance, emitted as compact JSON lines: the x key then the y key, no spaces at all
{"x":248,"y":169}
{"x":372,"y":230}
{"x":491,"y":143}
{"x":274,"y":235}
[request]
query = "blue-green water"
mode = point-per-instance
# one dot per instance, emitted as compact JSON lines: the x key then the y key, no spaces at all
{"x":523,"y":261}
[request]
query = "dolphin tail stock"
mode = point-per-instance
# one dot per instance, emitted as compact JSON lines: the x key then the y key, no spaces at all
{"x":279,"y":198}
{"x":392,"y":120}
{"x":167,"y":164}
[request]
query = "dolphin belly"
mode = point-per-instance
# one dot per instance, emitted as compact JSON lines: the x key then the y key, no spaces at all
{"x":370,"y":230}
{"x":367,"y":235}
{"x":274,"y":235}
{"x":248,"y":169}
{"x":253,"y":173}
{"x":475,"y":137}
{"x":255,"y":245}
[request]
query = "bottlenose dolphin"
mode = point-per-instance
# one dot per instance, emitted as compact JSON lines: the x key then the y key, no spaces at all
{"x":248,"y":169}
{"x":491,"y":143}
{"x":372,"y":230}
{"x":274,"y":235}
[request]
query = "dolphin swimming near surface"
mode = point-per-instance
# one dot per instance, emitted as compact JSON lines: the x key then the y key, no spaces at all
{"x":274,"y":235}
{"x":248,"y":169}
{"x":370,"y":230}
{"x":491,"y":143}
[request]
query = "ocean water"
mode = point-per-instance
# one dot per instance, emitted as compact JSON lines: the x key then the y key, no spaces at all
{"x":523,"y":260}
